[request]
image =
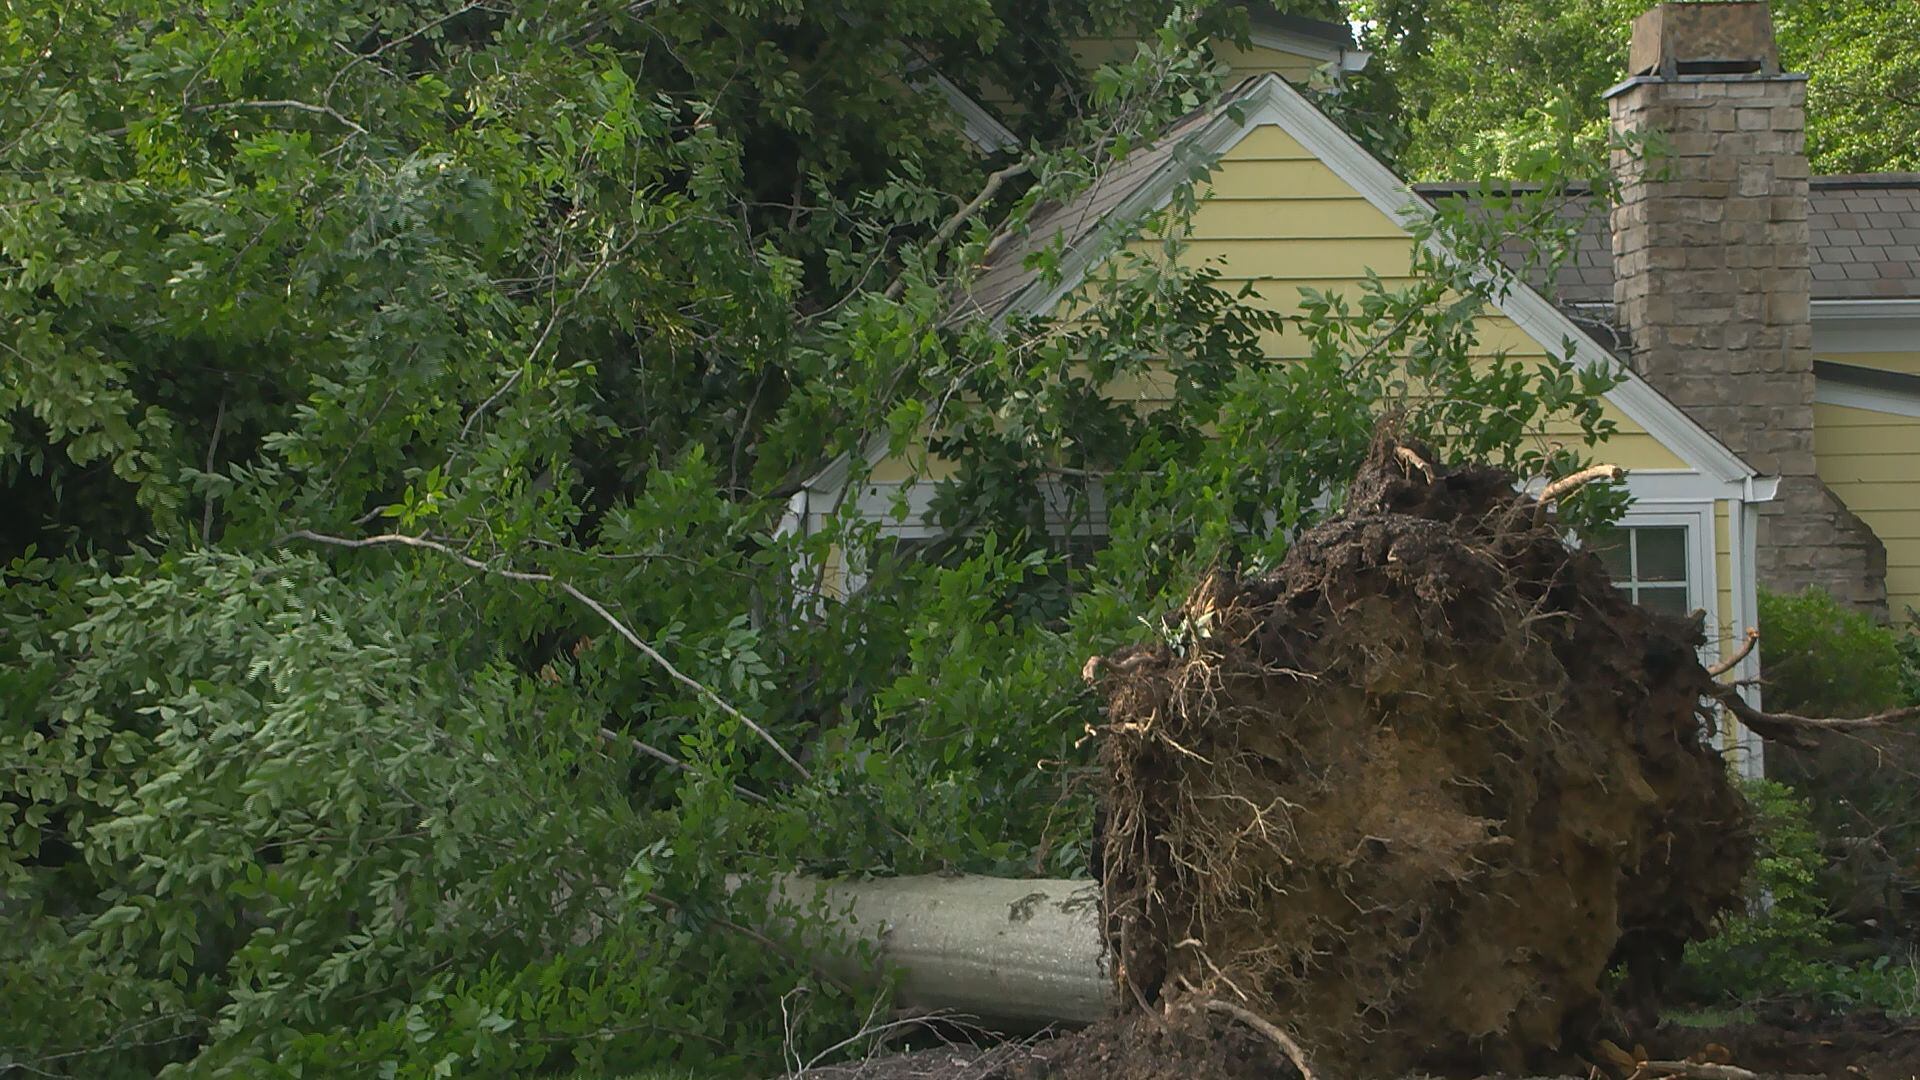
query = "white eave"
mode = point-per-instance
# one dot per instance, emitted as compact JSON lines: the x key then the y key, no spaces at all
{"x":1343,"y":57}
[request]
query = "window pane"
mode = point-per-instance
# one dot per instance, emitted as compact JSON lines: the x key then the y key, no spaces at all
{"x":1671,"y":599}
{"x":1663,"y":553}
{"x":1611,"y":546}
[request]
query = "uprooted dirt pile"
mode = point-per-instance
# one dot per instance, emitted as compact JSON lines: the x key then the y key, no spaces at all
{"x":1411,"y":795}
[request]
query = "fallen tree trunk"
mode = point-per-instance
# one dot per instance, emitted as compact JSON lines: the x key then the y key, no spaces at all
{"x":1015,"y":953}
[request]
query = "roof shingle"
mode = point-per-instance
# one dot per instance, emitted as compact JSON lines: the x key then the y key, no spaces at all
{"x":1863,"y":239}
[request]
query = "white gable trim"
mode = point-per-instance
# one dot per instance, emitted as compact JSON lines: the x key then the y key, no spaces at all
{"x":1272,"y":101}
{"x":980,"y":126}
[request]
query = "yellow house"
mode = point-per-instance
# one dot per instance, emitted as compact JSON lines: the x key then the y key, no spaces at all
{"x":1743,"y":469}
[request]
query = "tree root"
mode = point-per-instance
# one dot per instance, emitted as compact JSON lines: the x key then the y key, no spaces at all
{"x":1648,"y":1070}
{"x":1279,"y":1038}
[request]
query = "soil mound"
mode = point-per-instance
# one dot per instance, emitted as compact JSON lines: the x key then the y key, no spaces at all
{"x":1410,"y":796}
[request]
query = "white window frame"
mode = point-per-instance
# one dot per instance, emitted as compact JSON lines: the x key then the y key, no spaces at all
{"x":1703,"y":586}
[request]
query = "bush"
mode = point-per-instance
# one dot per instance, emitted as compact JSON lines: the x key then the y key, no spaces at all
{"x":1819,"y":657}
{"x":1823,"y":658}
{"x":1787,"y":941}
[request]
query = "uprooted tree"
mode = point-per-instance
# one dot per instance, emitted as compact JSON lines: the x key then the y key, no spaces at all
{"x":1414,"y":793}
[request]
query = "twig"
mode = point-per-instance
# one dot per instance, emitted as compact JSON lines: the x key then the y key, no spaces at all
{"x":1567,"y":485}
{"x":1258,"y":1023}
{"x":213,"y":448}
{"x":612,"y":736}
{"x":952,"y":225}
{"x":1731,"y":662}
{"x":540,"y":342}
{"x":1414,"y":460}
{"x":596,"y":606}
{"x":1693,"y":1070}
{"x":760,"y":939}
{"x":281,"y":103}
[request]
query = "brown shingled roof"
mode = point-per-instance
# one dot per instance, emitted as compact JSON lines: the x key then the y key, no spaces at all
{"x":1004,"y":276}
{"x":1863,"y":231}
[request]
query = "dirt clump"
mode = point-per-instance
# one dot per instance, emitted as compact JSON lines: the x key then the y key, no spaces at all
{"x":1412,"y":794}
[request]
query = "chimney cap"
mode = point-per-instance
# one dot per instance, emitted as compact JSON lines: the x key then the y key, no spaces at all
{"x":1719,"y":38}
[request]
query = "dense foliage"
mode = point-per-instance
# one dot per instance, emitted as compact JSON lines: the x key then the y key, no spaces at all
{"x":1788,"y":943}
{"x":1471,"y":88}
{"x":1842,"y":834}
{"x":1835,"y":888}
{"x":403,"y":668}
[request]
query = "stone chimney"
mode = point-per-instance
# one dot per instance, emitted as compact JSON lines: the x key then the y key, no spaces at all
{"x":1711,"y":278}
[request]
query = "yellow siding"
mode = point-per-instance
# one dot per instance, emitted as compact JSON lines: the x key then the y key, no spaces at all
{"x":1258,"y":60}
{"x":1872,"y":461}
{"x":1241,"y":63}
{"x":1906,"y":363}
{"x":1296,"y":224}
{"x":1282,"y":220}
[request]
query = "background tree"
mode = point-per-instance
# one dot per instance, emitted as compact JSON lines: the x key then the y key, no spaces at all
{"x":1467,"y":90}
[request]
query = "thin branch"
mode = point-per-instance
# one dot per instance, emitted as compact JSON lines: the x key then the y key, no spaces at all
{"x":540,"y":342}
{"x":1797,"y":730}
{"x":1263,"y":1026}
{"x":611,"y":736}
{"x":1731,"y":662}
{"x":282,"y":103}
{"x":361,"y":58}
{"x":621,"y":628}
{"x":213,"y":448}
{"x":952,"y":225}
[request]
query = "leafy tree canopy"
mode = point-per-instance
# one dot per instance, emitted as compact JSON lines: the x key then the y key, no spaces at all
{"x":1470,"y":89}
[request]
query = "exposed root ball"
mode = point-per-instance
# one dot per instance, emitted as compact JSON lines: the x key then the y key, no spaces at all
{"x":1412,"y":795}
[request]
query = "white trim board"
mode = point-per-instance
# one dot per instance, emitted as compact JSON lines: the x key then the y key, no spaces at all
{"x":1286,"y":41}
{"x":1865,"y":326}
{"x":1270,"y":100}
{"x":1829,"y":392}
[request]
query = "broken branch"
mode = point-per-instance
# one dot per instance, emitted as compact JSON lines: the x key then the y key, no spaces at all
{"x":1795,"y":730}
{"x":952,"y":225}
{"x":1414,"y":460}
{"x":1260,"y":1024}
{"x":621,"y":628}
{"x":1567,"y":485}
{"x":1731,"y":662}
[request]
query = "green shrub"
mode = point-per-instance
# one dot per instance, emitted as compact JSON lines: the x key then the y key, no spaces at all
{"x":1785,"y":944}
{"x":1822,"y":658}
